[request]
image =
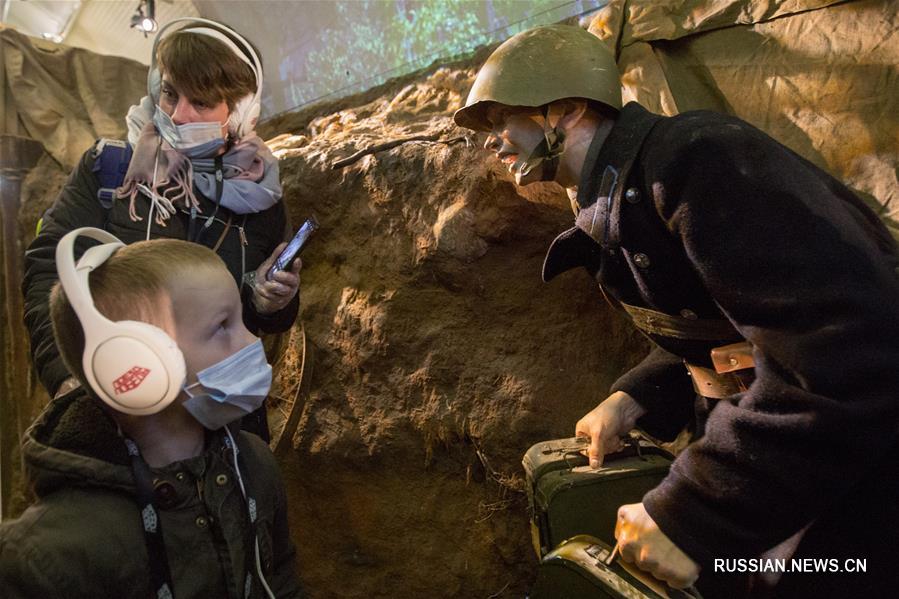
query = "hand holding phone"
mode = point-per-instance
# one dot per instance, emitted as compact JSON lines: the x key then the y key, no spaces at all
{"x":294,"y":247}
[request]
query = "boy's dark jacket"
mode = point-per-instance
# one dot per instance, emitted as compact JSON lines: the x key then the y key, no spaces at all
{"x":718,"y":221}
{"x":83,"y":537}
{"x":78,"y":206}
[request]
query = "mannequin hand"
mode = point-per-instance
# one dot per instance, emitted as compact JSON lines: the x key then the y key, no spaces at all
{"x":271,"y":296}
{"x":642,"y":542}
{"x":607,"y":423}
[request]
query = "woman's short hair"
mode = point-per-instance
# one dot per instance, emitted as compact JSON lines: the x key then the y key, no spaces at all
{"x":204,"y":69}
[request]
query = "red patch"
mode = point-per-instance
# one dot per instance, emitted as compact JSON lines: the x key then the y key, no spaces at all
{"x":130,"y":380}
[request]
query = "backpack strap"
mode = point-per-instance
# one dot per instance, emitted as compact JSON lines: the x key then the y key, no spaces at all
{"x":112,"y":157}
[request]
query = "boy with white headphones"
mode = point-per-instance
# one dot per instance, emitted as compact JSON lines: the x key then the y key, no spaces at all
{"x":143,"y":491}
{"x":192,"y":168}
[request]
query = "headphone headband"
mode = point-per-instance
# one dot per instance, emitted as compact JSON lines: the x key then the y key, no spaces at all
{"x":74,"y":277}
{"x":216,"y":28}
{"x":249,"y":110}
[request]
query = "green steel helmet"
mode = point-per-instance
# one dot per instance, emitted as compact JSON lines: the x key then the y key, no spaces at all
{"x":539,"y":66}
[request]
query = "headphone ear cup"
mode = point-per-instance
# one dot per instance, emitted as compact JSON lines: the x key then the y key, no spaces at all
{"x":154,"y":85}
{"x":242,"y":120}
{"x":136,"y":367}
{"x":248,"y":124}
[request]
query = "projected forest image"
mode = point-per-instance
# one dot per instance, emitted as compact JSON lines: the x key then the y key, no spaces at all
{"x":369,"y":41}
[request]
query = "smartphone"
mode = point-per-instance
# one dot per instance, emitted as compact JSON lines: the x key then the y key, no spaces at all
{"x":293,"y":248}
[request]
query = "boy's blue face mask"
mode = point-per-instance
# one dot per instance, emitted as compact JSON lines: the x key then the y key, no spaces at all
{"x":230,"y":389}
{"x":194,"y":140}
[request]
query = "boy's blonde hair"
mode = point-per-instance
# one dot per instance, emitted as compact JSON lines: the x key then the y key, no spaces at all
{"x":133,"y":284}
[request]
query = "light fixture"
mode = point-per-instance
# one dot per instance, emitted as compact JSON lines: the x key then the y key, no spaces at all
{"x":145,"y":22}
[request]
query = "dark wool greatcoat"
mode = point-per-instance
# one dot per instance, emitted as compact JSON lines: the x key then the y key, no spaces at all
{"x":702,"y":216}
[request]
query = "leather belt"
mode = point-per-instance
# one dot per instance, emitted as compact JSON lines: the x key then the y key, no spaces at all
{"x":653,"y":322}
{"x":734,"y":365}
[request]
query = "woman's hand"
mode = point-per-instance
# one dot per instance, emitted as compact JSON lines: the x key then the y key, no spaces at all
{"x":271,"y":296}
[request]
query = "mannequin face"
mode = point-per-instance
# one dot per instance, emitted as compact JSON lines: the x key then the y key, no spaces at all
{"x":514,"y":134}
{"x":183,"y":110}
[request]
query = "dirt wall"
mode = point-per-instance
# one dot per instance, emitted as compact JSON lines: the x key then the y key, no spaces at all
{"x":441,"y":355}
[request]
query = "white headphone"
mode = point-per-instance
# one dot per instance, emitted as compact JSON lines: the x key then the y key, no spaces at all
{"x":134,"y":367}
{"x":246,"y":112}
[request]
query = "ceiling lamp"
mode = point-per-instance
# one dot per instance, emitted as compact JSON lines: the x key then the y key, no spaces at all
{"x":145,"y":22}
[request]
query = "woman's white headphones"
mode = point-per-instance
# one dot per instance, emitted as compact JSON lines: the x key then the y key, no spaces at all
{"x":134,"y":367}
{"x":246,"y":112}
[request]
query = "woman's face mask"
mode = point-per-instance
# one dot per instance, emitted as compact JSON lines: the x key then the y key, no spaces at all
{"x":194,"y":140}
{"x":230,"y":389}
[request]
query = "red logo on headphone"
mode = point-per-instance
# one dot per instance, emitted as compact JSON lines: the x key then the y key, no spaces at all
{"x":130,"y":380}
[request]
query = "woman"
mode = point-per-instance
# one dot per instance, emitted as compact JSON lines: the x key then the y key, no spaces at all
{"x":194,"y":169}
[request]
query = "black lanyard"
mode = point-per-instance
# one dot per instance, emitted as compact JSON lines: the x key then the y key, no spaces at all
{"x":151,"y":523}
{"x":160,"y":576}
{"x":192,"y":234}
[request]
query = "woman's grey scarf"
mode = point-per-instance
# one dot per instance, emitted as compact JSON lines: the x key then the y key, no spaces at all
{"x":251,"y":179}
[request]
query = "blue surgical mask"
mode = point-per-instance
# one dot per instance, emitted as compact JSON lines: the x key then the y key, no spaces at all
{"x":230,"y":389}
{"x":194,"y":140}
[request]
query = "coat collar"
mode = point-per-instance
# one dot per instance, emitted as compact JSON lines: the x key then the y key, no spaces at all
{"x":606,"y":168}
{"x":74,"y":442}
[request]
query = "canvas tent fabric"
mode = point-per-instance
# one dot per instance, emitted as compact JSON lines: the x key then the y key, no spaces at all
{"x":64,"y":97}
{"x":819,"y":76}
{"x":54,"y":102}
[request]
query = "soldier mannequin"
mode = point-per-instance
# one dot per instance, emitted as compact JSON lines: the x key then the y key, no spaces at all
{"x":712,"y":236}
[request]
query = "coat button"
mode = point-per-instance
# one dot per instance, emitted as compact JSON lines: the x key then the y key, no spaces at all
{"x":181,"y":477}
{"x":641,"y":260}
{"x":688,"y":314}
{"x":201,"y":522}
{"x":164,"y":494}
{"x":221,"y":480}
{"x":632,"y":195}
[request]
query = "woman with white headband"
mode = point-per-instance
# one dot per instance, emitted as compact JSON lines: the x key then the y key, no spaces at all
{"x":193,"y":168}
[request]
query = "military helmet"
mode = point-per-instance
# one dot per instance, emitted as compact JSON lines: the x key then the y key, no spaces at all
{"x":539,"y":66}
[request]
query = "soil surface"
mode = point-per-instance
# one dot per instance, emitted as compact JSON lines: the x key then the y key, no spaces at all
{"x":441,"y":356}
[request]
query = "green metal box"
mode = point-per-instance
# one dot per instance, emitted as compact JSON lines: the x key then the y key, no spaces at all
{"x":567,"y":498}
{"x":577,"y":569}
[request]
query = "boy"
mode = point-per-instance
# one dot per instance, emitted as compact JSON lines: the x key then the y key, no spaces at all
{"x":139,"y":491}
